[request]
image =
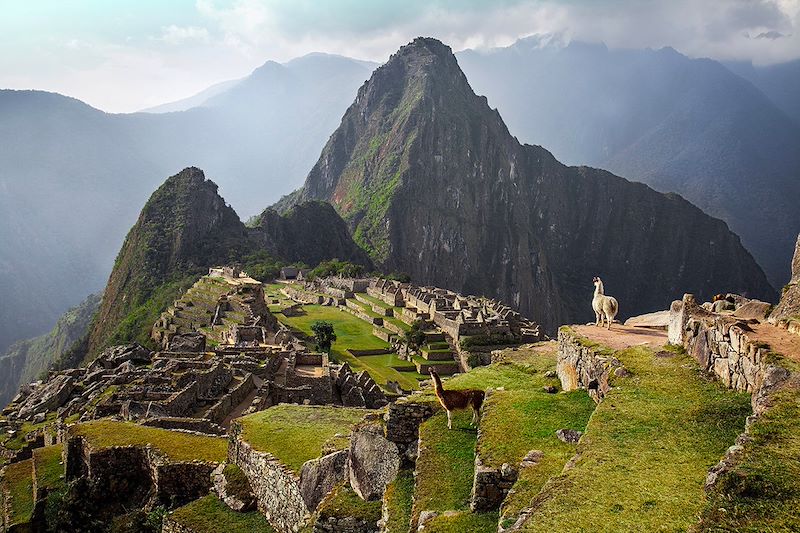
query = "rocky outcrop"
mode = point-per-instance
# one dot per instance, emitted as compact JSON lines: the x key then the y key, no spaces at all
{"x":787,"y":312}
{"x":319,"y":476}
{"x":310,"y":232}
{"x":373,"y":461}
{"x":432,"y":183}
{"x":184,"y":228}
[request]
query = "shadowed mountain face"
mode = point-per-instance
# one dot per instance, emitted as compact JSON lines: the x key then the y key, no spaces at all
{"x":73,"y":178}
{"x":684,"y":125}
{"x":431,"y":183}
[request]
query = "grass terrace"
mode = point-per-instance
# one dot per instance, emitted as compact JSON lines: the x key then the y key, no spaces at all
{"x":295,"y":434}
{"x":462,"y":522}
{"x":399,"y":499}
{"x":646,"y":450}
{"x":49,"y":467}
{"x":177,"y":445}
{"x":344,"y":502}
{"x":210,"y":515}
{"x":18,"y":482}
{"x":354,"y":333}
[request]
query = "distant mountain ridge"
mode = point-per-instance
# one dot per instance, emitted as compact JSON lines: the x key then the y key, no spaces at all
{"x":72,"y":177}
{"x":432,"y":183}
{"x":684,"y":125}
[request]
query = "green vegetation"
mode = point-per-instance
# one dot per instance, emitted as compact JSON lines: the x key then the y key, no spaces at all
{"x":354,"y":333}
{"x":176,"y":445}
{"x":210,"y":515}
{"x":351,"y":331}
{"x":18,"y":441}
{"x":295,"y":434}
{"x":446,"y":464}
{"x":344,"y":502}
{"x":324,"y":335}
{"x":762,"y":491}
{"x":460,"y":522}
{"x":415,"y":335}
{"x":334,"y":267}
{"x":399,"y":500}
{"x":236,"y":481}
{"x":135,"y":326}
{"x":18,"y":481}
{"x":646,"y":450}
{"x":262,"y":267}
{"x":49,"y":467}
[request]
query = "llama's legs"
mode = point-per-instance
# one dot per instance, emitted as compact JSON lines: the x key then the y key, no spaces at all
{"x":449,"y":420}
{"x":598,"y":319}
{"x":474,"y":417}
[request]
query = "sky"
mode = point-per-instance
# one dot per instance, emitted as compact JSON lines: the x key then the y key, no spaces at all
{"x":126,"y":55}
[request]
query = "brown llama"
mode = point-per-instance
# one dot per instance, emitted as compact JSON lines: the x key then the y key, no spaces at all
{"x":457,"y":399}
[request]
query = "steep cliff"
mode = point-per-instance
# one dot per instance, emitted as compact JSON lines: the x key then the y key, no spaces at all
{"x":431,"y":182}
{"x":184,"y":228}
{"x":25,"y":360}
{"x":789,"y":306}
{"x":310,"y":232}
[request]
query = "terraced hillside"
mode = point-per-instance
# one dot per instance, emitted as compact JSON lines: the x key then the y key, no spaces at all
{"x":353,"y":334}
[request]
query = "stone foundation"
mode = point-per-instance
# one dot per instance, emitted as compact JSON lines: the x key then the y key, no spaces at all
{"x":583,"y":366}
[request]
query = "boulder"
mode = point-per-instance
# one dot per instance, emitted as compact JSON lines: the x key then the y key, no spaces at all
{"x":532,"y":458}
{"x":116,"y":355}
{"x":754,"y":309}
{"x":657,"y":320}
{"x":373,"y":461}
{"x":48,"y":397}
{"x":188,"y":343}
{"x":569,"y":436}
{"x":319,"y":476}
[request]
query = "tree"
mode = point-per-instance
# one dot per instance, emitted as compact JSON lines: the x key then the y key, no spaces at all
{"x":323,"y":335}
{"x":415,"y":337}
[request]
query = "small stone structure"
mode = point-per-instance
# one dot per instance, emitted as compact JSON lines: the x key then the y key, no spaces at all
{"x":584,"y":366}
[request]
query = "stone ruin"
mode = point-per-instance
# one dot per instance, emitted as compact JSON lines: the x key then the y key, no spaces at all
{"x":201,"y":378}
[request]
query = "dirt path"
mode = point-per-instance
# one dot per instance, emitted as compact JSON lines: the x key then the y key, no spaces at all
{"x":621,"y":337}
{"x":779,"y":340}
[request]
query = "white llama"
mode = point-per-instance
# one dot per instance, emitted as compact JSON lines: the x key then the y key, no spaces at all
{"x":605,"y":307}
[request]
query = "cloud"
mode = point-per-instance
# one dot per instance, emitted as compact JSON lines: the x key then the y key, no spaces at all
{"x":772,"y":35}
{"x":173,"y":34}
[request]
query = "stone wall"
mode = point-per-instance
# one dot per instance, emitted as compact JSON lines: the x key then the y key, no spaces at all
{"x":222,"y":408}
{"x":582,"y":365}
{"x":135,"y":476}
{"x":403,"y":418}
{"x":722,"y":345}
{"x":490,"y":485}
{"x":276,"y":488}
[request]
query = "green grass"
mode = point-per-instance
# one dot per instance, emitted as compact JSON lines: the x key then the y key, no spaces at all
{"x":386,"y":367}
{"x":762,"y":492}
{"x":446,"y":464}
{"x":351,"y":331}
{"x":522,"y":417}
{"x":176,"y":445}
{"x":344,"y":502}
{"x":399,"y":499}
{"x":210,"y":515}
{"x":295,"y":434}
{"x":236,"y":482}
{"x":646,"y":451}
{"x":463,"y":522}
{"x":366,"y":308}
{"x":18,"y":480}
{"x":354,"y":333}
{"x":373,"y":300}
{"x":396,"y":321}
{"x":49,"y":468}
